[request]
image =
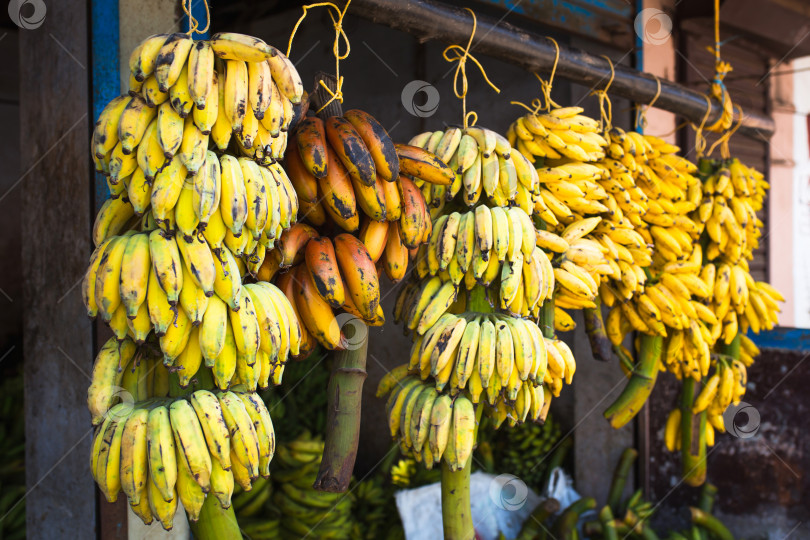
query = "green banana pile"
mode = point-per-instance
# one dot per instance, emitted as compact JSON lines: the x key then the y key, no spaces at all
{"x":306,"y":512}
{"x":522,"y":450}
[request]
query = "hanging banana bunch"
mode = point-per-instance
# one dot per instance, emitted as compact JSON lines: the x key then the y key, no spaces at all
{"x":198,"y":199}
{"x":162,"y":450}
{"x":346,"y":173}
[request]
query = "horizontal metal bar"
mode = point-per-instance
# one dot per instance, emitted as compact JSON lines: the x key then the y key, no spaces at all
{"x":428,"y":20}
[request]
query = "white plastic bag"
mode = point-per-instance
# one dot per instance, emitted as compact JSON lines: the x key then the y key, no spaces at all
{"x":499,"y":504}
{"x":560,"y":487}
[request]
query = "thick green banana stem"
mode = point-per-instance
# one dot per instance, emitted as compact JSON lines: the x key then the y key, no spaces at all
{"x":733,"y":348}
{"x":601,"y":346}
{"x":641,"y":383}
{"x":456,"y":514}
{"x":620,"y":474}
{"x":344,"y":395}
{"x":477,"y":300}
{"x":215,"y":522}
{"x":693,"y":437}
{"x":546,"y":319}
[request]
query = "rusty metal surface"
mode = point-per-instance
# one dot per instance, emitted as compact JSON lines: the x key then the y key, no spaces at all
{"x":763,"y":481}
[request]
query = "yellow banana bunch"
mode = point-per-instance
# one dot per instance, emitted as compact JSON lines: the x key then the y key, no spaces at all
{"x":428,"y":424}
{"x":161,"y":449}
{"x":478,"y":161}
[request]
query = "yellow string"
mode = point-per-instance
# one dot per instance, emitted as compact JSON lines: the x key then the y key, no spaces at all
{"x":545,"y":87}
{"x":700,"y":140}
{"x":641,"y":111}
{"x":726,"y":136}
{"x":605,"y":106}
{"x":462,"y":54}
{"x":193,"y":24}
{"x":718,"y":88}
{"x":339,"y":33}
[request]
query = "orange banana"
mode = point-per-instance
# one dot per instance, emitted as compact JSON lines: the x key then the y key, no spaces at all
{"x":311,"y":139}
{"x":395,"y":262}
{"x":350,"y":148}
{"x":323,"y":268}
{"x":305,"y":184}
{"x":412,"y":221}
{"x":373,"y":235}
{"x":287,"y":285}
{"x":315,"y":312}
{"x":371,"y":199}
{"x":420,"y":163}
{"x":292,"y":243}
{"x":337,"y":194}
{"x":378,"y":142}
{"x":359,"y":273}
{"x":393,"y":202}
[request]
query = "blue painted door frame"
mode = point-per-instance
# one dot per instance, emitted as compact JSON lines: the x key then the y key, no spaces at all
{"x":106,"y":85}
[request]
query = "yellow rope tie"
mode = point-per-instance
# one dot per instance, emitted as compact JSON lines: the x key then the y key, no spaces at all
{"x":641,"y":111}
{"x":545,"y":87}
{"x":700,"y":140}
{"x":726,"y":136}
{"x":605,"y":106}
{"x":339,"y":33}
{"x":193,"y":23}
{"x":718,"y":87}
{"x":462,"y":54}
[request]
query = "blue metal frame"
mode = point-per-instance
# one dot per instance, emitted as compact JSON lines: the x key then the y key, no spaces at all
{"x":105,"y":77}
{"x":794,"y":339}
{"x":198,"y":11}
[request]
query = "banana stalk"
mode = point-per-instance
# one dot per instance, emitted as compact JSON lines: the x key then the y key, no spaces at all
{"x":595,"y":328}
{"x":533,"y":527}
{"x":693,"y":437}
{"x":705,"y":503}
{"x":477,"y":300}
{"x":641,"y":383}
{"x":608,"y":529}
{"x":546,"y":319}
{"x":620,"y":479}
{"x":566,"y":525}
{"x":348,"y":372}
{"x":215,"y":522}
{"x":733,"y":348}
{"x":343,"y":414}
{"x":456,"y":515}
{"x":710,"y":523}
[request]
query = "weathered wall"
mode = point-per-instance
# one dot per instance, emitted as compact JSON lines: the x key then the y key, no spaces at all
{"x":54,"y":202}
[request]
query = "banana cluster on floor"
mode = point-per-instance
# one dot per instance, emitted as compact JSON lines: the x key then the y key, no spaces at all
{"x":164,"y":450}
{"x":301,"y":510}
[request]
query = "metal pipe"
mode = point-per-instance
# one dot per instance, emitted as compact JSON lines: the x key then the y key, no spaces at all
{"x":428,"y":20}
